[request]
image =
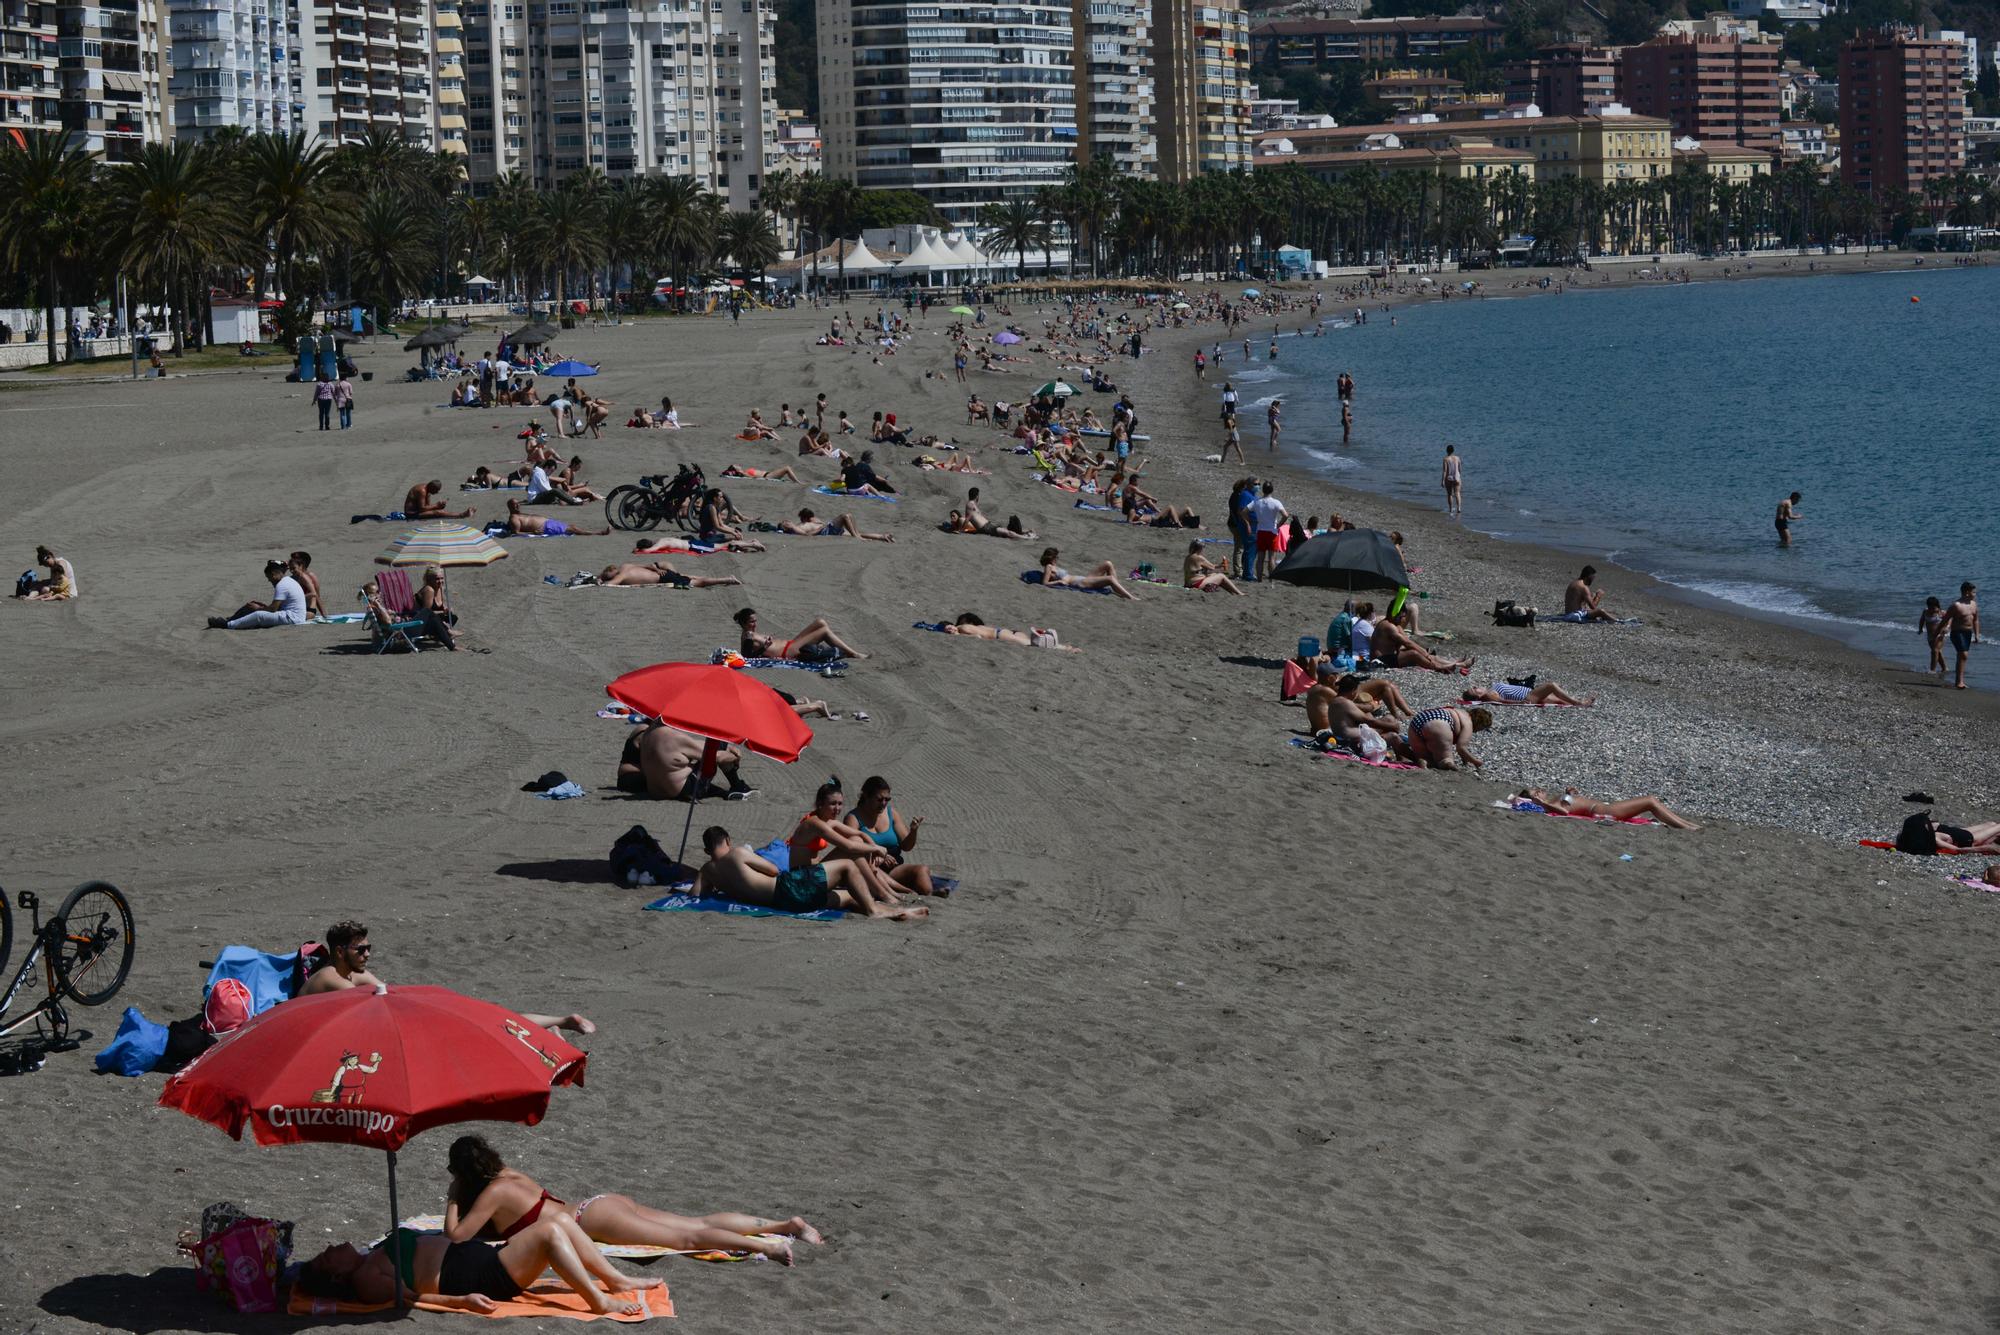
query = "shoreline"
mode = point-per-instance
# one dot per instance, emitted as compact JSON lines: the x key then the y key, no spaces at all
{"x":1875,"y":642}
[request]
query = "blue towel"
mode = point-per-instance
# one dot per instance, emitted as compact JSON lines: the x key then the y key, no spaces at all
{"x":137,"y":1047}
{"x":853,"y":495}
{"x":1035,"y":577}
{"x":937,"y":626}
{"x":836,"y":668}
{"x":566,"y":789}
{"x":1092,"y":505}
{"x":394,"y":516}
{"x":269,"y":977}
{"x":680,"y":903}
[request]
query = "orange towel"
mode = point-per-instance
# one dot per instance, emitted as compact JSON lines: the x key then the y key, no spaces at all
{"x":546,"y":1298}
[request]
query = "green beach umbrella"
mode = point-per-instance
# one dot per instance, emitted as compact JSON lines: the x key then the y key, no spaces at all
{"x":961,"y":310}
{"x":1060,"y":389}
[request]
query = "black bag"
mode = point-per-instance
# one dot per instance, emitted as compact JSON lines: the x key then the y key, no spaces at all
{"x":24,"y":585}
{"x":638,"y":859}
{"x":1917,"y":836}
{"x":1508,"y":613}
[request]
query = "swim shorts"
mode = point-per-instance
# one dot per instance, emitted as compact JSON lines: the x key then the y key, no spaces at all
{"x":1267,"y":540}
{"x":554,"y":528}
{"x":802,"y":890}
{"x":817,"y":653}
{"x":675,"y":579}
{"x":1961,"y":640}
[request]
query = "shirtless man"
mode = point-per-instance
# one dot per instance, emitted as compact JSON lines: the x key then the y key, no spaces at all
{"x":1581,"y":597}
{"x":301,"y":563}
{"x":348,"y":950}
{"x":840,"y":526}
{"x":1788,"y":510}
{"x":519,"y":522}
{"x":734,"y":872}
{"x":654,"y":546}
{"x":1394,"y":647}
{"x":659,"y":761}
{"x":1335,"y":714}
{"x":659,"y":572}
{"x":424,"y":501}
{"x":1961,"y":625}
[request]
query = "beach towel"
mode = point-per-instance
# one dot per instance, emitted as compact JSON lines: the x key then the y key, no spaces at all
{"x":685,"y":903}
{"x":499,"y":486}
{"x":1891,"y":846}
{"x":393,"y":517}
{"x":622,"y":713}
{"x":1035,"y":577}
{"x":1977,"y":883}
{"x":1582,"y":617}
{"x":853,"y":495}
{"x":1520,"y":704}
{"x":694,"y":549}
{"x":340,"y":619}
{"x":1342,"y":753}
{"x":730,"y":658}
{"x":1524,"y":806}
{"x":546,"y":1298}
{"x":268,"y":977}
{"x":617,"y":1251}
{"x":1092,"y":505}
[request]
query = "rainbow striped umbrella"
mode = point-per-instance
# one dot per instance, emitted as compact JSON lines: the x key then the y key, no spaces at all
{"x":441,"y":542}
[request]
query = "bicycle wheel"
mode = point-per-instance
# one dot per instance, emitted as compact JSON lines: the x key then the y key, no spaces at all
{"x":642,"y":512}
{"x":614,"y":505}
{"x":94,"y":940}
{"x":6,"y":934}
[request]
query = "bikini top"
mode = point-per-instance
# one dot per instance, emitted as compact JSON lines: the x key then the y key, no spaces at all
{"x":534,"y":1213}
{"x":814,"y":843}
{"x":888,"y":838}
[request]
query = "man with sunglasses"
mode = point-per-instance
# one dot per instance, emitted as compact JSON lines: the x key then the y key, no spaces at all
{"x":348,"y":949}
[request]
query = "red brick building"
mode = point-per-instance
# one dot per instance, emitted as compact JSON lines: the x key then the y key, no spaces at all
{"x":1711,"y":88}
{"x":1902,"y":111}
{"x":1567,"y":80}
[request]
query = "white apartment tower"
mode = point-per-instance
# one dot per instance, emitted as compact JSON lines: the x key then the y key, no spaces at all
{"x":363,"y":64}
{"x":965,"y":104}
{"x":111,"y":75}
{"x":664,"y":88}
{"x":1114,"y":85}
{"x":230,"y":66}
{"x":28,"y":87}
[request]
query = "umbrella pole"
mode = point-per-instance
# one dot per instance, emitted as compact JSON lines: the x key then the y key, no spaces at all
{"x":395,"y":1222}
{"x":699,"y":779}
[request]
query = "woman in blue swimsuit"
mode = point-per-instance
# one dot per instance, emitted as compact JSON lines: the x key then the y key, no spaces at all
{"x":875,"y":817}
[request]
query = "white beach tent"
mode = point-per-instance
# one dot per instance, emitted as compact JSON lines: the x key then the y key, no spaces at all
{"x":928,"y":258}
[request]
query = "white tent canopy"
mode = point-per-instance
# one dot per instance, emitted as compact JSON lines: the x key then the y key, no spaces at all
{"x":929,"y":257}
{"x":477,"y":281}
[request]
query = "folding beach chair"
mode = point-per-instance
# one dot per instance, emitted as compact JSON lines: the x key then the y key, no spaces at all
{"x":398,"y":601}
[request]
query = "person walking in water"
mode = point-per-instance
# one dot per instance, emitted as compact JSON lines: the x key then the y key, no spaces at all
{"x":1961,"y":626}
{"x":1454,"y":478}
{"x":1788,"y":510}
{"x":1273,"y":415}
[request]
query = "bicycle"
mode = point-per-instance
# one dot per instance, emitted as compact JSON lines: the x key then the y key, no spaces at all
{"x":85,"y":951}
{"x":654,"y":500}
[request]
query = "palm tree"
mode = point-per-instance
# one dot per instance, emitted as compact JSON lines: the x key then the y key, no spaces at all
{"x":294,"y":206}
{"x":45,"y":188}
{"x":173,"y":219}
{"x":566,"y":233}
{"x":391,"y":251}
{"x":1013,"y":225}
{"x":625,"y":232}
{"x":837,"y":208}
{"x":680,"y":224}
{"x":749,"y":239}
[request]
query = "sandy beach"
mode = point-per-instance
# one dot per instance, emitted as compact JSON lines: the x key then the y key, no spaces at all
{"x":1217,"y":1035}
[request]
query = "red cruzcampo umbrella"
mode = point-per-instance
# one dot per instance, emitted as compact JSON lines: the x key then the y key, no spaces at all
{"x":719,"y":703}
{"x":374,"y":1067}
{"x":723,"y":704}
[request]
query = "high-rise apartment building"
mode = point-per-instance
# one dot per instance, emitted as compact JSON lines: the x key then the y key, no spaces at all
{"x":1715,"y":89}
{"x":663,"y":88}
{"x":111,"y":75}
{"x":1113,"y":64}
{"x":363,"y":64}
{"x":28,"y":87}
{"x":230,"y":66}
{"x":1201,"y":88}
{"x":1902,"y":111}
{"x":1570,"y":79}
{"x":966,"y":104}
{"x":448,"y":75}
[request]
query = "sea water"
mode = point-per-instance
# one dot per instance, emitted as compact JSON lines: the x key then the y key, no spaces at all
{"x":1661,"y":425}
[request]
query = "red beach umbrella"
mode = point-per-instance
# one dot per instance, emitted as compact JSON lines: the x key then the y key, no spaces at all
{"x":719,"y":703}
{"x":374,"y":1067}
{"x":727,"y":706}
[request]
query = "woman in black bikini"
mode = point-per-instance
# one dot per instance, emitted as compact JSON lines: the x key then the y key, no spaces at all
{"x":471,"y":1276}
{"x":485,"y":1192}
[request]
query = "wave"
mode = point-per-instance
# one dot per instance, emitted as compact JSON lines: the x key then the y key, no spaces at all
{"x":1768,"y":598}
{"x":1338,"y":462}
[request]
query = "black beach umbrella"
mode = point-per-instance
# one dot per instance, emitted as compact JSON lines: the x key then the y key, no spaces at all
{"x":528,"y":335}
{"x":1354,"y":558}
{"x":428,"y":338}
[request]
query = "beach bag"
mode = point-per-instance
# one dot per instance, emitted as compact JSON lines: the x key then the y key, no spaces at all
{"x":1917,"y":836}
{"x":136,"y":1048}
{"x":224,"y":1215}
{"x":1508,"y":613}
{"x":242,"y":1263}
{"x":227,"y":1009}
{"x":24,"y":585}
{"x":638,"y":859}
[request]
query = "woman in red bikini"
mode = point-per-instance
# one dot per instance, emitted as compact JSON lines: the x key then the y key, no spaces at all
{"x":490,"y":1200}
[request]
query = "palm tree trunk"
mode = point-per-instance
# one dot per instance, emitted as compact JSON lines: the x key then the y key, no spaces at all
{"x":49,"y":294}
